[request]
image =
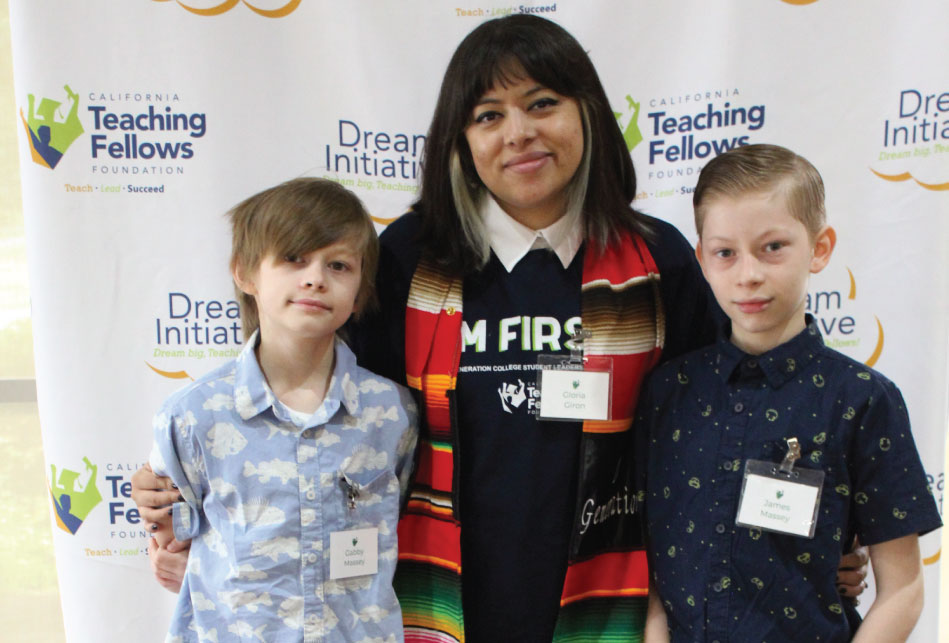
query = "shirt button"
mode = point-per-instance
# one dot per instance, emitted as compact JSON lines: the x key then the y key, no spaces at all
{"x":752,"y":363}
{"x":310,"y":495}
{"x":311,"y":558}
{"x":728,"y":465}
{"x":720,"y":528}
{"x":739,"y":407}
{"x":717,"y":587}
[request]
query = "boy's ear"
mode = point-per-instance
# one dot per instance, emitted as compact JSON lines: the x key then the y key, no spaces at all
{"x":243,"y":280}
{"x":823,"y":248}
{"x":698,"y":255}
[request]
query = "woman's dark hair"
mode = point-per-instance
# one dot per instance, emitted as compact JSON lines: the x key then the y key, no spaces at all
{"x":500,"y":52}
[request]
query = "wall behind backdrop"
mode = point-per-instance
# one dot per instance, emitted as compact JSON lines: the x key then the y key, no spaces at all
{"x":142,"y":122}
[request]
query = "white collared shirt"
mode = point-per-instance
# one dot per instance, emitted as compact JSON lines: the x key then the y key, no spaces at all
{"x":511,"y":240}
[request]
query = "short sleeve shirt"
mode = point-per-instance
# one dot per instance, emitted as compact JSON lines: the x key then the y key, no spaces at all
{"x":265,"y":488}
{"x":710,"y":411}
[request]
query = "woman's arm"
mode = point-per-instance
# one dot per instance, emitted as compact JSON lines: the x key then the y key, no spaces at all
{"x":899,"y":601}
{"x":168,"y":565}
{"x":657,"y":627}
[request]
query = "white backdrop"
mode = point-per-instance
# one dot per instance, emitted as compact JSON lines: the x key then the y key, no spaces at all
{"x":183,"y":108}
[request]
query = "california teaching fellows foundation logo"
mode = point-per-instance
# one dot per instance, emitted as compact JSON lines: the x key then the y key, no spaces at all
{"x":135,"y":138}
{"x":915,"y":140}
{"x":685,"y":131}
{"x":52,"y":126}
{"x":74,"y":495}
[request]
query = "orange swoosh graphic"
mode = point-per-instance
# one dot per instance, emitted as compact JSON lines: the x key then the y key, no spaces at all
{"x":879,"y":347}
{"x":286,"y":10}
{"x":906,"y":176}
{"x":382,"y":221}
{"x":853,"y":286}
{"x":227,"y":5}
{"x":933,"y":559}
{"x":224,"y":7}
{"x":799,"y":2}
{"x":173,"y":375}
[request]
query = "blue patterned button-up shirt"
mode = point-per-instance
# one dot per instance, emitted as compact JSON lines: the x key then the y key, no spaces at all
{"x":707,"y":413}
{"x":265,"y":488}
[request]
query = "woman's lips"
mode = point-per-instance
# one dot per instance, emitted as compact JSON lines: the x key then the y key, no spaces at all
{"x":528,"y":162}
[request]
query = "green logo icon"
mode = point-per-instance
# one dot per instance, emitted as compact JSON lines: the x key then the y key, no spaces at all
{"x":576,"y":384}
{"x":355,"y":540}
{"x":779,"y":494}
{"x":629,"y":123}
{"x":74,"y":495}
{"x":52,"y":127}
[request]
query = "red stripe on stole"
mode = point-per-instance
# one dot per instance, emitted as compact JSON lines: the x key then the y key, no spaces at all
{"x":435,"y":468}
{"x":609,"y":574}
{"x":619,"y":261}
{"x":628,"y":374}
{"x":419,"y":329}
{"x":423,"y":538}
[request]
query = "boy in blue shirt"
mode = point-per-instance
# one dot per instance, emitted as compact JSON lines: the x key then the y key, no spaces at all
{"x":769,"y":451}
{"x":290,"y":459}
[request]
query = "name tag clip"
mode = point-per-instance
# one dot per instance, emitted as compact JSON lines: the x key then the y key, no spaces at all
{"x":352,"y":490}
{"x":793,"y":454}
{"x":576,"y":344}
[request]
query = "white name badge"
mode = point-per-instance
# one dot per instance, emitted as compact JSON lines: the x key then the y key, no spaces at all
{"x":354,"y":553}
{"x":574,"y":395}
{"x":786,"y":503}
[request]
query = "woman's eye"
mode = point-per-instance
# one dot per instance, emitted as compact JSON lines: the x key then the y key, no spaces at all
{"x":547,"y":101}
{"x":292,"y":258}
{"x":338,"y":266}
{"x":724,"y":253}
{"x":486,"y":116}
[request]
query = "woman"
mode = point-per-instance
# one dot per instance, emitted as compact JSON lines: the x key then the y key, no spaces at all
{"x":522,"y":229}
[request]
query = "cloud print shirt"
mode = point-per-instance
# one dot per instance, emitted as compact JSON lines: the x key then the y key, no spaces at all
{"x":264,"y":488}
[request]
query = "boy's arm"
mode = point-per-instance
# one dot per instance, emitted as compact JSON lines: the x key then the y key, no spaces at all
{"x":899,"y":600}
{"x":405,"y":451}
{"x":657,"y":628}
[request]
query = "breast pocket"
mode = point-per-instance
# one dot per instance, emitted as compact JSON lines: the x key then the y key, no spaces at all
{"x":369,"y":496}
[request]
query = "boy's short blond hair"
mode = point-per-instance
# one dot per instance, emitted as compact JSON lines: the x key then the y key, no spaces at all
{"x":296,"y":218}
{"x":763,"y":168}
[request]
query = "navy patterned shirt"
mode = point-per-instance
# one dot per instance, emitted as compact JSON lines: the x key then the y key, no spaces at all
{"x":707,"y":413}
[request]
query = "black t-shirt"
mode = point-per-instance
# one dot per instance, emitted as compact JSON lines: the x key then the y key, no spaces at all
{"x":491,"y":473}
{"x":518,"y":474}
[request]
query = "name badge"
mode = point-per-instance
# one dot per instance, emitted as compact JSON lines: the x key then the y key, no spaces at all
{"x":780,"y":498}
{"x":354,"y":553}
{"x":574,"y":395}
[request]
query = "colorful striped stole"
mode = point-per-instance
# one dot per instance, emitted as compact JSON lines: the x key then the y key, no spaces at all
{"x":604,"y":593}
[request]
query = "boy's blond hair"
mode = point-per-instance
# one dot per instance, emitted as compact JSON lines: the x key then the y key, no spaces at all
{"x":296,"y":218}
{"x":763,"y":168}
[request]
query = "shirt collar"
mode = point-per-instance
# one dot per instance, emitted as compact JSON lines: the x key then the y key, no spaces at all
{"x":778,"y":365}
{"x":253,"y":395}
{"x":511,"y":240}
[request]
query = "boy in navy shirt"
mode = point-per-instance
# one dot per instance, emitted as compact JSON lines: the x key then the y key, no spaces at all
{"x":768,"y":451}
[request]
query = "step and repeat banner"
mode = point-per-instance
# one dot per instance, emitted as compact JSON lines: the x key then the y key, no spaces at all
{"x":142,"y":122}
